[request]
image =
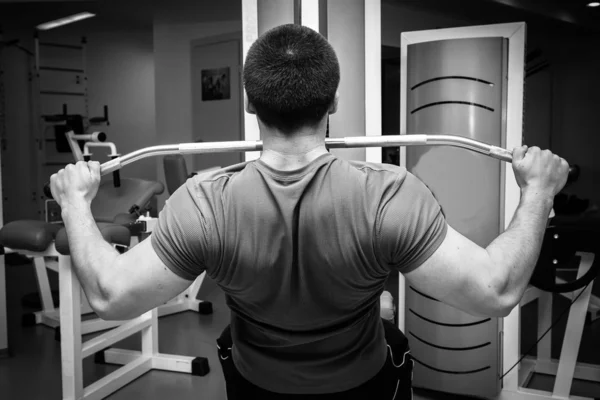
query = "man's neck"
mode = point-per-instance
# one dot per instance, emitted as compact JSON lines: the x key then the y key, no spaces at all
{"x":290,"y":152}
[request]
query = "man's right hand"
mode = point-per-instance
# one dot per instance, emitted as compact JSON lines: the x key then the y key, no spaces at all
{"x":539,"y":171}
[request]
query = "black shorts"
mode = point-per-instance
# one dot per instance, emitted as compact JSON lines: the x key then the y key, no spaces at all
{"x":392,"y":382}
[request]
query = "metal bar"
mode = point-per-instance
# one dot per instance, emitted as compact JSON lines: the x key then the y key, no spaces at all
{"x":3,"y":315}
{"x":70,"y":330}
{"x":573,"y":334}
{"x":114,"y":381}
{"x":544,"y":346}
{"x":37,"y":54}
{"x":160,"y":361}
{"x":51,"y":92}
{"x":43,"y":284}
{"x":109,"y":145}
{"x":74,"y":145}
{"x":62,"y":46}
{"x":332,"y":143}
{"x":109,"y":338}
{"x":60,"y":69}
{"x":97,"y":324}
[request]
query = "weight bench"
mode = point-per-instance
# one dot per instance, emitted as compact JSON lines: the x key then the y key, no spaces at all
{"x":120,"y":205}
{"x":41,"y":240}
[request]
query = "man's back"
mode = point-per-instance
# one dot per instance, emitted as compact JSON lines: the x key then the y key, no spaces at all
{"x":302,"y":257}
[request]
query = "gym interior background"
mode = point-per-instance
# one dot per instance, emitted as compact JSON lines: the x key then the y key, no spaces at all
{"x":142,"y":60}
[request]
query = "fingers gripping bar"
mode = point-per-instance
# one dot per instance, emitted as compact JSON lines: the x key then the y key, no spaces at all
{"x":332,"y":143}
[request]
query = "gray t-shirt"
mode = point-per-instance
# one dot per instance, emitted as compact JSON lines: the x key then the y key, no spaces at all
{"x":302,"y":257}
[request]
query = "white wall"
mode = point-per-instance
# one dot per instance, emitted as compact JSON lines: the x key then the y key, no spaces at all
{"x":173,"y":78}
{"x":123,"y":78}
{"x":346,"y":32}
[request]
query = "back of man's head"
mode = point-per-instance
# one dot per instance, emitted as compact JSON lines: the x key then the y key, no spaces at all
{"x":291,"y":76}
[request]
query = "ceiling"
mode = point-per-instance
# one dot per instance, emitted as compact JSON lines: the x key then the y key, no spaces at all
{"x":567,"y":14}
{"x":134,"y":13}
{"x":573,"y":12}
{"x":35,"y":12}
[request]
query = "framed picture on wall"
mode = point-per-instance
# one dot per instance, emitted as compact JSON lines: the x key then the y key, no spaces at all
{"x":215,"y":84}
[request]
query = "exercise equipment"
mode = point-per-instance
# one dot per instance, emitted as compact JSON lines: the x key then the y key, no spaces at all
{"x":71,"y":138}
{"x":560,"y":242}
{"x":562,"y":246}
{"x":470,"y":80}
{"x":95,"y":139}
{"x":4,"y":349}
{"x":121,"y":205}
{"x":332,"y":143}
{"x":113,"y":154}
{"x":38,"y":239}
{"x":176,"y":171}
{"x":125,"y":205}
{"x":347,"y":142}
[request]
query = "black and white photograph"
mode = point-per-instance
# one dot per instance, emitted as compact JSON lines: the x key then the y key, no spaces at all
{"x":299,"y":199}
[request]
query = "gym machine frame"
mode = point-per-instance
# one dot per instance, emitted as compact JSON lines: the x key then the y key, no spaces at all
{"x":514,"y":381}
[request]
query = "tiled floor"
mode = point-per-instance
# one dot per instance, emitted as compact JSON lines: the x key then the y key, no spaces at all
{"x":34,"y":370}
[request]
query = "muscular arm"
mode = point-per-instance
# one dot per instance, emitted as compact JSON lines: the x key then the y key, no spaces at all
{"x":516,"y":251}
{"x":123,"y":286}
{"x":118,"y":286}
{"x":490,"y":281}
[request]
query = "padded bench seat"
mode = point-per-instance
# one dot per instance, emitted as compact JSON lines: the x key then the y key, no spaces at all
{"x":28,"y":235}
{"x":36,"y":236}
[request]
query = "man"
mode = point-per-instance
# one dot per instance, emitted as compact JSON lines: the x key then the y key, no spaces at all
{"x":301,"y":242}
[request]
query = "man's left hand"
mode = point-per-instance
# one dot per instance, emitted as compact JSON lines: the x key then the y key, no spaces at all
{"x":76,"y":185}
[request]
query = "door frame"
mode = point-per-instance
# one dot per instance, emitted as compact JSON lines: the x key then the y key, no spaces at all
{"x":216,"y":39}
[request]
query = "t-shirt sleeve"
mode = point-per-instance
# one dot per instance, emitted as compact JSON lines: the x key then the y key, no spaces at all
{"x":181,"y":237}
{"x":411,"y":225}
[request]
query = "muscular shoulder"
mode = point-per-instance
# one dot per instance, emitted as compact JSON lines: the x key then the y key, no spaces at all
{"x":212,"y":182}
{"x":381,"y":179}
{"x":377,"y":168}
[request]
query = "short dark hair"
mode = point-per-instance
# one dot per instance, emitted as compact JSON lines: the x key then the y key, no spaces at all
{"x":291,"y":76}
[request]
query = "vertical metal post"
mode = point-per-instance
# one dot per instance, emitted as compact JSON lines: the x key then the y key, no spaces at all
{"x":70,"y":330}
{"x":85,"y":77}
{"x":3,"y":317}
{"x":37,"y":135}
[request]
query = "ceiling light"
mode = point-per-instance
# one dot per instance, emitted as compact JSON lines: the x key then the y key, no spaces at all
{"x":593,"y":4}
{"x":64,"y":21}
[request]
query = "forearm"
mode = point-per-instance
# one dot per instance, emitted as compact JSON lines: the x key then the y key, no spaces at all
{"x":91,"y":255}
{"x":514,"y":253}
